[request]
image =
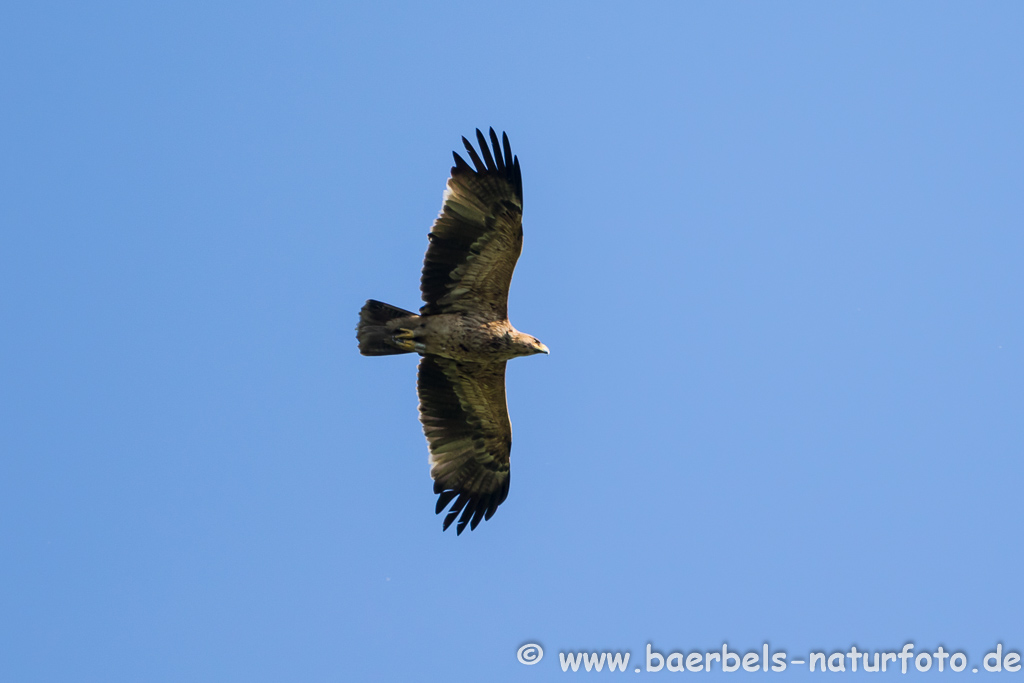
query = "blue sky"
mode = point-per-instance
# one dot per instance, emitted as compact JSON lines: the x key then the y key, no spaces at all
{"x":775,"y":249}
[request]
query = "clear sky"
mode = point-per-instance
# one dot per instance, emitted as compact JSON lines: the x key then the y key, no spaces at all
{"x":775,"y":249}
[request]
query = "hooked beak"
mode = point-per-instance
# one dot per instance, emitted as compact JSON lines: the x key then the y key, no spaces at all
{"x":542,"y":349}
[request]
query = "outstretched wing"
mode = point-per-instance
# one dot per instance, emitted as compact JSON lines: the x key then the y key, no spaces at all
{"x":465,"y":420}
{"x":476,"y":240}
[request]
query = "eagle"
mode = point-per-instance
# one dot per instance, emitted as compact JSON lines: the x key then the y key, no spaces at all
{"x":462,"y":332}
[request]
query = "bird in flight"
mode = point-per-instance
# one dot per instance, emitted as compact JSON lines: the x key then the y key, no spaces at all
{"x":462,"y":332}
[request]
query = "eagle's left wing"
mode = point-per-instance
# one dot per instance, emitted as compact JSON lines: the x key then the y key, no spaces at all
{"x":465,"y":420}
{"x":476,"y":240}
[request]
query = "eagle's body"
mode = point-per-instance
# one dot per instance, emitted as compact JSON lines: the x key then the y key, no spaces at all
{"x":463,"y":333}
{"x":459,"y":337}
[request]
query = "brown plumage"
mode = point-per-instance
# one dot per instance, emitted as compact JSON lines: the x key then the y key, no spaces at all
{"x":462,"y":332}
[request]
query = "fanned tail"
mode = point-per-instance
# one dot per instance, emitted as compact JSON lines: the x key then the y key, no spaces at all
{"x":376,"y":337}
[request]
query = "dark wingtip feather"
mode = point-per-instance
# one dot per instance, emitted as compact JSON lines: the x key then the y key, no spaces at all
{"x":478,"y":515}
{"x":507,"y":148}
{"x":480,"y":167}
{"x":498,"y":158}
{"x":443,"y":500}
{"x":460,"y":165}
{"x":457,"y":506}
{"x":518,"y":178}
{"x":467,"y":514}
{"x":449,"y":519}
{"x":492,"y":507}
{"x":486,"y":151}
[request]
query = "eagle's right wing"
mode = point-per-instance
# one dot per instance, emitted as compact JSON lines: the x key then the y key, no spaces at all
{"x":465,"y":420}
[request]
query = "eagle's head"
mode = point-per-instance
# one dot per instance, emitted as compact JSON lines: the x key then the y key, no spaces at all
{"x":525,"y":345}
